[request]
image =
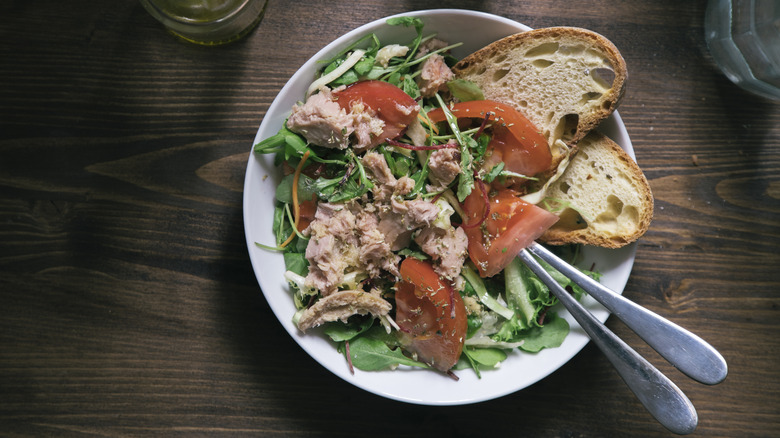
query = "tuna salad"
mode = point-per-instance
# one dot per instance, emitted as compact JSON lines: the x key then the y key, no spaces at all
{"x":398,"y":227}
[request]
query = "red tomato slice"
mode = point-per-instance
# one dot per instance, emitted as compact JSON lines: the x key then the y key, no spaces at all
{"x":516,"y":156}
{"x":307,"y":209}
{"x":431,"y":315}
{"x":516,"y":141}
{"x":396,"y":108}
{"x":511,"y":225}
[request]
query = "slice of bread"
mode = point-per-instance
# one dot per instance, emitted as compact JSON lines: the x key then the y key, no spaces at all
{"x":565,"y":80}
{"x":602,"y":198}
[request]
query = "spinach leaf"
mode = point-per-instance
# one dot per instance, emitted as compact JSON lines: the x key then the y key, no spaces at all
{"x":339,"y":332}
{"x":306,"y":189}
{"x":369,"y":354}
{"x":550,"y":335}
{"x":489,"y":357}
{"x":296,"y":262}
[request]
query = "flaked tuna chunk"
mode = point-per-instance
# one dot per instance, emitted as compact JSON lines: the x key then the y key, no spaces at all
{"x":332,"y":246}
{"x":375,"y":253}
{"x":448,"y":248}
{"x":415,"y":213}
{"x":376,"y":165}
{"x":341,"y":305}
{"x":434,"y":75}
{"x":385,"y":183}
{"x":366,"y":126}
{"x":324,"y":123}
{"x":380,"y":173}
{"x":326,"y":263}
{"x":337,"y":219}
{"x":444,"y":166}
{"x":346,"y":237}
{"x":403,"y":186}
{"x":402,"y":218}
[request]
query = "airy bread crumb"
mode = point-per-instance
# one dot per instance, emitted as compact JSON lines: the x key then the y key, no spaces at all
{"x":602,"y":198}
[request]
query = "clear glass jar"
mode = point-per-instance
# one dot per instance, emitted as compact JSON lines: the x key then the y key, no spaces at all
{"x":743,"y":37}
{"x":207,"y":22}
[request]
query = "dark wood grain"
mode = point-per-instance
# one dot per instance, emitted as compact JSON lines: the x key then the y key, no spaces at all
{"x":129,"y":306}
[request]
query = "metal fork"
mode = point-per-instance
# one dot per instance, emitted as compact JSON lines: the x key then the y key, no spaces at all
{"x":662,"y":398}
{"x":687,"y":352}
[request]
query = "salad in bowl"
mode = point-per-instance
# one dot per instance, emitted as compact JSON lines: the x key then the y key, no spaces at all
{"x":381,"y":230}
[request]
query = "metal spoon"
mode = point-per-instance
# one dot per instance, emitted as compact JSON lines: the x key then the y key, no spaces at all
{"x":662,"y":398}
{"x":683,"y":349}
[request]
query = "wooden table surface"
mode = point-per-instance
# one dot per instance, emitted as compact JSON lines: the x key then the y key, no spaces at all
{"x":129,"y":305}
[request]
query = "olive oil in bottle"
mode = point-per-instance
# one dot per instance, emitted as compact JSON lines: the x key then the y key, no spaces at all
{"x":207,"y":22}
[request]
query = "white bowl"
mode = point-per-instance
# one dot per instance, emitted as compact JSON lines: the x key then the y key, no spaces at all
{"x":474,"y":30}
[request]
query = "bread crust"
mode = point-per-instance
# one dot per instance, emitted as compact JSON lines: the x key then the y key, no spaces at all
{"x":481,"y":67}
{"x":631,"y":173}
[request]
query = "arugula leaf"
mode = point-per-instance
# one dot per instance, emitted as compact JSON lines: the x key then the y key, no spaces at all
{"x":338,"y":190}
{"x":405,"y":21}
{"x":410,"y":87}
{"x":494,"y":172}
{"x":271,"y":144}
{"x":410,"y":22}
{"x":347,"y":184}
{"x":364,"y":66}
{"x":481,"y":148}
{"x":415,"y":44}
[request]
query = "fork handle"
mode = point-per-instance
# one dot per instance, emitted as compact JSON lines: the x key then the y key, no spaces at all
{"x":687,"y":352}
{"x":662,"y":398}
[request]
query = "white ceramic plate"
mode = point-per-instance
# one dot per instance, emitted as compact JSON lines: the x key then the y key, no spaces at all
{"x":418,"y":386}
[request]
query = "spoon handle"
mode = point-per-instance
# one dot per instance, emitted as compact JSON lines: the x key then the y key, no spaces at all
{"x":683,"y":349}
{"x":662,"y":398}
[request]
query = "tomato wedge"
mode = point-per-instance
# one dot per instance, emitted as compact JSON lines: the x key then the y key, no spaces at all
{"x":394,"y":107}
{"x":516,"y":141}
{"x":431,"y":315}
{"x":510,"y":225}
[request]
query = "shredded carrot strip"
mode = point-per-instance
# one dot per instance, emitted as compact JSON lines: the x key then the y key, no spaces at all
{"x":427,"y":122}
{"x":296,"y":206}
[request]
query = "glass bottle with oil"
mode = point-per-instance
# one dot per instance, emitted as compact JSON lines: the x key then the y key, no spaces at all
{"x":207,"y":22}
